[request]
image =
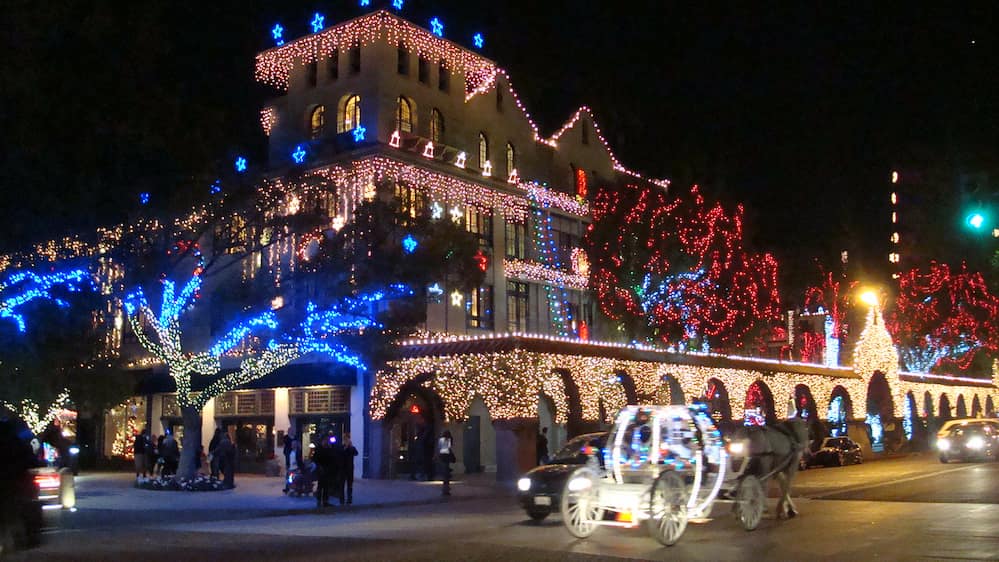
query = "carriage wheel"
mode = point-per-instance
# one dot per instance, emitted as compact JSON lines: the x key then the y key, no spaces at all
{"x":580,"y":508}
{"x":668,"y":507}
{"x":749,"y":502}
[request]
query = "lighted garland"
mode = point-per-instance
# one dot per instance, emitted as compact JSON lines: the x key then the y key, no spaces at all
{"x":274,"y":66}
{"x":532,"y":271}
{"x":30,"y":412}
{"x":25,"y":286}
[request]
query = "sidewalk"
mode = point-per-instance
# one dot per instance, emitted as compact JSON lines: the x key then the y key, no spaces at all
{"x":111,"y":498}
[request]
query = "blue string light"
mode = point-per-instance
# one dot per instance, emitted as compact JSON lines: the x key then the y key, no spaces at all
{"x":240,"y":164}
{"x":299,"y":154}
{"x":478,"y":40}
{"x":359,"y":132}
{"x":437,"y":27}
{"x":277,"y":32}
{"x":409,"y":244}
{"x":144,"y":197}
{"x":42,"y":288}
{"x":216,"y":187}
{"x":317,"y":22}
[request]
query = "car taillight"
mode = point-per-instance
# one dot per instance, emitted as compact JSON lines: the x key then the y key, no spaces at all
{"x":47,"y":481}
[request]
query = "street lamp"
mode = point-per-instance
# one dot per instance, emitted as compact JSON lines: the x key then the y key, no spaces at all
{"x":869,"y":297}
{"x":976,"y":220}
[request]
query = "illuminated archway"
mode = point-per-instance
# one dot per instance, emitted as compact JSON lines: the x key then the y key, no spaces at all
{"x":909,"y":416}
{"x":804,"y":403}
{"x":759,"y":405}
{"x":880,"y":408}
{"x":412,"y":422}
{"x":976,"y":407}
{"x":927,"y":404}
{"x":944,"y":409}
{"x":716,"y":395}
{"x":670,"y":391}
{"x":990,"y":407}
{"x":961,"y":411}
{"x":840,"y":411}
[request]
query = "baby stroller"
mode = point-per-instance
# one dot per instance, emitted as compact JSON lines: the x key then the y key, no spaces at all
{"x":301,"y":480}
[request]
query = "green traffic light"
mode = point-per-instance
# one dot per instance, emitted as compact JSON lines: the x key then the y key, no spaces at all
{"x":976,"y":220}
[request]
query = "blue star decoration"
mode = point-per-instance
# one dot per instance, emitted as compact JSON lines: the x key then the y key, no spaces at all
{"x":144,"y":197}
{"x":397,"y":4}
{"x":317,"y":22}
{"x":437,"y":27}
{"x":299,"y":154}
{"x":409,"y":244}
{"x":479,"y":40}
{"x":365,"y":3}
{"x":359,"y":132}
{"x":278,"y":33}
{"x":240,"y":164}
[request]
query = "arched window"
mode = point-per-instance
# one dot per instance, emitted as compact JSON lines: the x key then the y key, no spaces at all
{"x":483,"y":150}
{"x":350,"y":114}
{"x":436,"y":126}
{"x":511,"y":159}
{"x":404,"y":115}
{"x":317,"y":121}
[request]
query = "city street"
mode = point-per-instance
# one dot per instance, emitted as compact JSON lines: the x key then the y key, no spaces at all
{"x":902,"y":508}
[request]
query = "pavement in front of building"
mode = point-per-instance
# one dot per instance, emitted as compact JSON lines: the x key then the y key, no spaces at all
{"x":112,"y":499}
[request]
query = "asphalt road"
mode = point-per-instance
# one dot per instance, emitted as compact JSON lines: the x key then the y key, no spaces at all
{"x":900,"y":509}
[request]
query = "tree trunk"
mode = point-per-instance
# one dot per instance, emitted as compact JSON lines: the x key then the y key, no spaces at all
{"x":191,"y":443}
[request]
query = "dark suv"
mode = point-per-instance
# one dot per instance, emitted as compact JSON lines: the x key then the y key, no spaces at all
{"x":836,"y":451}
{"x":969,"y":441}
{"x":541,"y":488}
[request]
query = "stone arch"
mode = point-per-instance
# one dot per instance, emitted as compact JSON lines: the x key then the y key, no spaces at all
{"x":944,"y":407}
{"x":549,"y":417}
{"x":976,"y":407}
{"x":840,"y":411}
{"x":716,"y":395}
{"x":611,"y":399}
{"x":961,"y":411}
{"x":990,"y":407}
{"x":759,"y":401}
{"x":412,"y":422}
{"x":628,"y":384}
{"x":804,"y":403}
{"x":880,"y":409}
{"x":928,"y":404}
{"x":574,"y":405}
{"x":670,"y":391}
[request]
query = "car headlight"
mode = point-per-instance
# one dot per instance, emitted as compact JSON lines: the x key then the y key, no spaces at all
{"x":524,"y":484}
{"x":578,"y":484}
{"x":736,"y":448}
{"x":74,"y":450}
{"x":943,"y":444}
{"x":976,"y":443}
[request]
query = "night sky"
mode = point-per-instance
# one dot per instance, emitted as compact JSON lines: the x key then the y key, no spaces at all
{"x":798,"y":112}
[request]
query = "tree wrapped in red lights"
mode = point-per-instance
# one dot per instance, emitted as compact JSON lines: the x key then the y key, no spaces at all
{"x":944,"y":319}
{"x":676,"y":270}
{"x":833,"y":297}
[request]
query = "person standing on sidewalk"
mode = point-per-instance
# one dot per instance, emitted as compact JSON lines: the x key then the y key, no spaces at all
{"x":227,"y":460}
{"x":445,"y":456}
{"x":542,"y":451}
{"x":325,"y":465}
{"x":347,"y":480}
{"x":139,"y":451}
{"x":213,"y":453}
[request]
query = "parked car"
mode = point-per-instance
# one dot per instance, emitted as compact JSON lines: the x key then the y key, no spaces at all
{"x":969,"y":441}
{"x":541,"y":488}
{"x":836,"y":451}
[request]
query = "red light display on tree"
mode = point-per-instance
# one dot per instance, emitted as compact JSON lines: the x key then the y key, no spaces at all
{"x":676,"y":269}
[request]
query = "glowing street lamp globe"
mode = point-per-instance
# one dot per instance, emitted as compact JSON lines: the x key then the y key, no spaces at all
{"x":869,"y":297}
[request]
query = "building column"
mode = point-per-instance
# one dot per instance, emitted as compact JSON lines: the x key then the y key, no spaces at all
{"x":357,"y":426}
{"x":516,"y":447}
{"x":282,"y":422}
{"x":156,"y":414}
{"x":207,"y":423}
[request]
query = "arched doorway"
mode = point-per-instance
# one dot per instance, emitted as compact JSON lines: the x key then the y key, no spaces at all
{"x":412,"y":423}
{"x":628,"y":384}
{"x":759,"y":405}
{"x":478,"y":443}
{"x":945,"y":413}
{"x":990,"y":407}
{"x":804,"y":403}
{"x":840,"y":411}
{"x":927,"y":404}
{"x":909,"y":420}
{"x":962,"y":407}
{"x":976,"y":407}
{"x":879,"y":409}
{"x":575,"y":425}
{"x":716,"y":396}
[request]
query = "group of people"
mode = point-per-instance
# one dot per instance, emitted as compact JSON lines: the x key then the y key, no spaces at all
{"x":155,"y":457}
{"x":334,"y":461}
{"x":222,"y":458}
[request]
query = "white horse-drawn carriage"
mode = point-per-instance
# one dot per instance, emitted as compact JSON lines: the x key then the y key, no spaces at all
{"x":663,"y":466}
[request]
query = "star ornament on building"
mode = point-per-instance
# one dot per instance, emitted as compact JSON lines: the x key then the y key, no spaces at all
{"x":437,"y":27}
{"x":278,"y":33}
{"x":397,"y":4}
{"x":299,"y":155}
{"x":359,"y":133}
{"x":457,"y":299}
{"x":317,"y":22}
{"x":409,"y":244}
{"x":478,"y":40}
{"x":240,"y":164}
{"x":436,"y":211}
{"x":365,"y":3}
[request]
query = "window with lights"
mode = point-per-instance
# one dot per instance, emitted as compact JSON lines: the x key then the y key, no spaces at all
{"x":403,"y":115}
{"x":317,"y":122}
{"x":479,"y":307}
{"x":483,"y":150}
{"x":480,"y":222}
{"x":350,"y":113}
{"x":517,"y":300}
{"x":412,"y":201}
{"x":436,"y":126}
{"x":516,"y":235}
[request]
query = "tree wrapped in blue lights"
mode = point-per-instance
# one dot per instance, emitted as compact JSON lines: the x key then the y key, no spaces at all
{"x":321,"y":331}
{"x":24,"y":287}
